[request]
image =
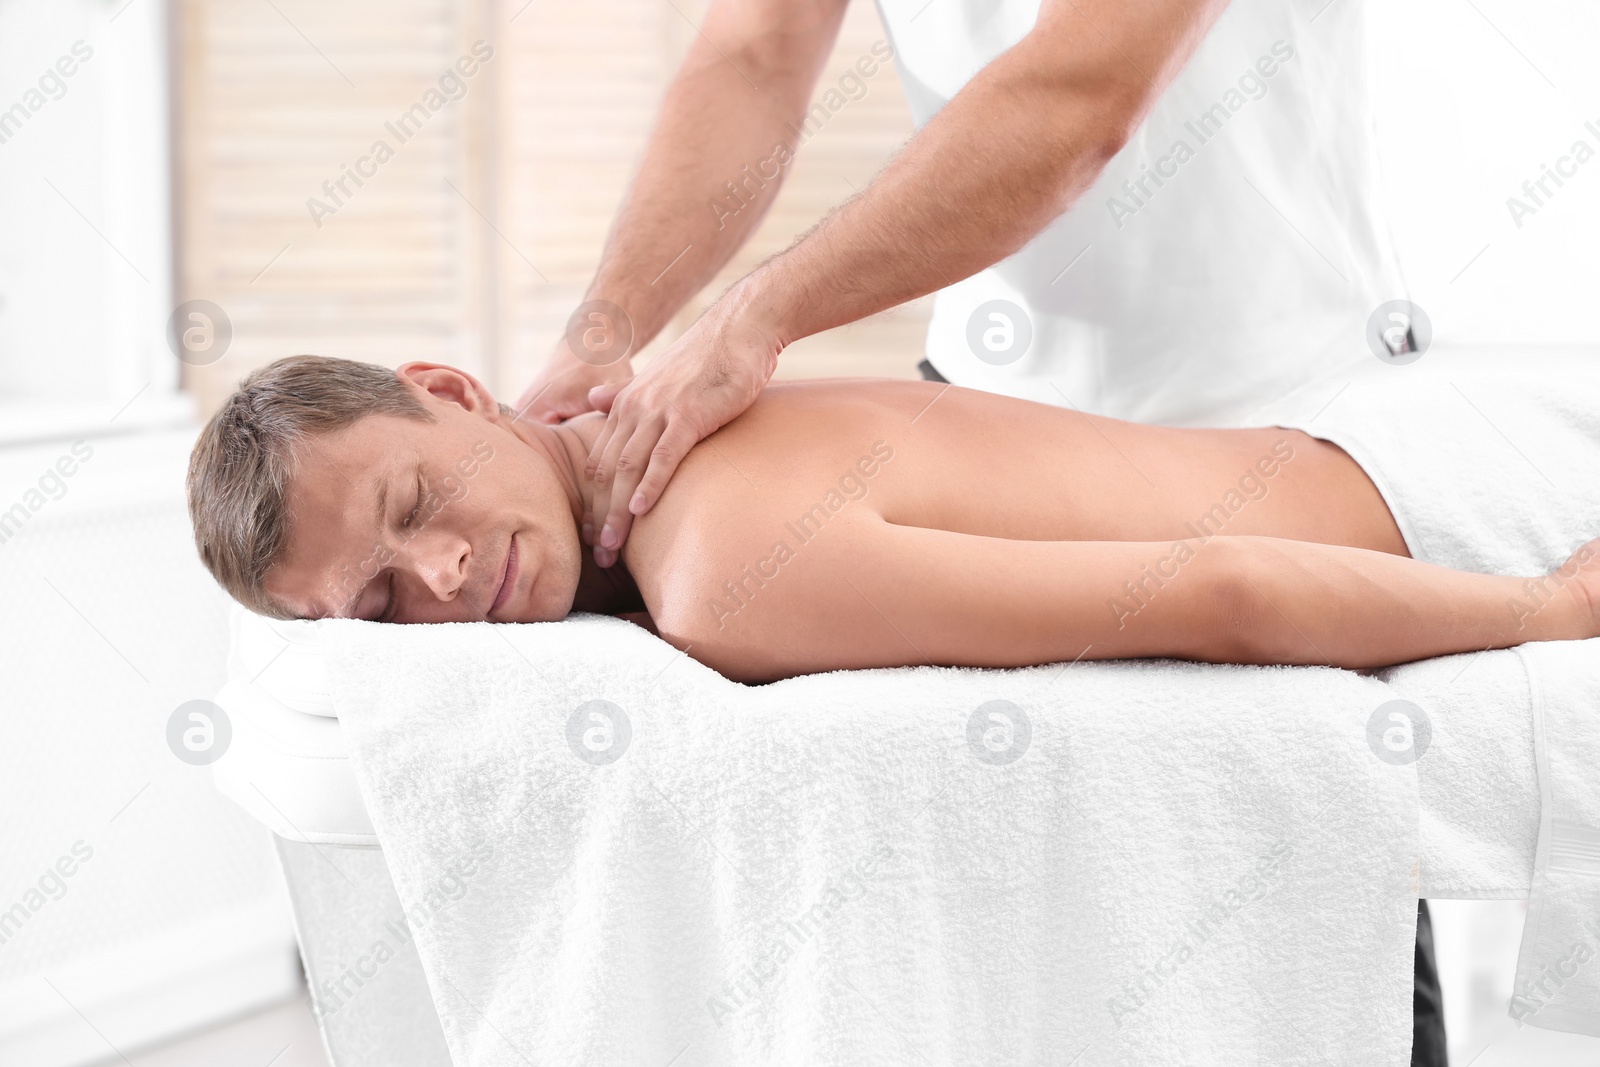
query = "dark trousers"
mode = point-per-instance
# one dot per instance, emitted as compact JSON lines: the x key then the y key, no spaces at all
{"x":1427,"y":1004}
{"x":1427,"y":1024}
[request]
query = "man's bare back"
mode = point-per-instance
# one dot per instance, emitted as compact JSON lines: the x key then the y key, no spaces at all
{"x":981,"y":463}
{"x":818,"y":459}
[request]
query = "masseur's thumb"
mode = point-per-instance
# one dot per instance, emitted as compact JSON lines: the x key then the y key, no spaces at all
{"x":601,"y":396}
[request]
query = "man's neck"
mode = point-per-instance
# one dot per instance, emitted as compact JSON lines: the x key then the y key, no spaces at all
{"x":602,"y":590}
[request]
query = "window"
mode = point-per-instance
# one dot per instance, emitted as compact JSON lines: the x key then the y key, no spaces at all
{"x":85,"y":260}
{"x":471,"y":238}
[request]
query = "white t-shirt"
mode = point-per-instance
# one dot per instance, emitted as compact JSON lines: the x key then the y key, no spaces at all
{"x":1231,"y":251}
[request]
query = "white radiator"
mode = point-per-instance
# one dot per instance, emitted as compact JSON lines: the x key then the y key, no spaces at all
{"x":135,"y":902}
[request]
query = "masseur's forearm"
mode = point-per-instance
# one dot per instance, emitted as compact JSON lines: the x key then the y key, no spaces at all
{"x":729,"y":110}
{"x":1014,"y":149}
{"x":1298,"y":602}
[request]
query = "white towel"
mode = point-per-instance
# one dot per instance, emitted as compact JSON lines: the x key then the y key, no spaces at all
{"x":1184,"y":864}
{"x":1489,"y":458}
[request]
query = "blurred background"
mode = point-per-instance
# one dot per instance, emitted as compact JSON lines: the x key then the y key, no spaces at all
{"x":159,"y":153}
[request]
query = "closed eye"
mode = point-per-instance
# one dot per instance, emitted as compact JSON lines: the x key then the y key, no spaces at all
{"x":388,"y":612}
{"x":417,"y":509}
{"x":388,"y":607}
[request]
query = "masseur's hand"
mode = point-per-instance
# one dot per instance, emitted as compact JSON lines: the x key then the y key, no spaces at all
{"x":561,"y":388}
{"x":704,"y":380}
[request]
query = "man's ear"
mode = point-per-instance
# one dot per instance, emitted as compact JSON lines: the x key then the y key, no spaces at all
{"x":452,"y":385}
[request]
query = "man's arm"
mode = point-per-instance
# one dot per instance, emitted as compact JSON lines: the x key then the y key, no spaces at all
{"x":1009,"y":153}
{"x":742,"y":87}
{"x":877,"y":594}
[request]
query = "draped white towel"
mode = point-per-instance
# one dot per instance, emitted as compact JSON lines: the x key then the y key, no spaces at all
{"x":1182,"y":864}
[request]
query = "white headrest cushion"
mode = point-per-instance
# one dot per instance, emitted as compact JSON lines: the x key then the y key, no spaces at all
{"x":287,"y":763}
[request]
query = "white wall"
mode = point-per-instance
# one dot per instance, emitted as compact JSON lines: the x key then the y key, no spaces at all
{"x":135,"y":902}
{"x":85,"y":259}
{"x":1473,"y":97}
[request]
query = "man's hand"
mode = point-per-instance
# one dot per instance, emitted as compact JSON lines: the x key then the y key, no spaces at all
{"x":703,"y":381}
{"x":561,"y":388}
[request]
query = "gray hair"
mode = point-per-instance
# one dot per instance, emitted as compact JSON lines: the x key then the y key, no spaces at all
{"x":241,"y":465}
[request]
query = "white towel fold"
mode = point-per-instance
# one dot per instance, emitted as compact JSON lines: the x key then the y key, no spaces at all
{"x":1558,"y":968}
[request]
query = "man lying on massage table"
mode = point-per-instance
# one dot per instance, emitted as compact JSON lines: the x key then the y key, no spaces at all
{"x":842,"y":525}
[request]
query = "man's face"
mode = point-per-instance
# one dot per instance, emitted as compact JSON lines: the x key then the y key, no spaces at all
{"x":456,"y":495}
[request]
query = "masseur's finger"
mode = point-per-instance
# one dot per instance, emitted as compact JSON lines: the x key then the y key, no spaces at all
{"x":644,"y":466}
{"x":601,"y":396}
{"x":627,"y":468}
{"x":612,"y":464}
{"x":591,"y":464}
{"x":613,"y":435}
{"x":668,"y":452}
